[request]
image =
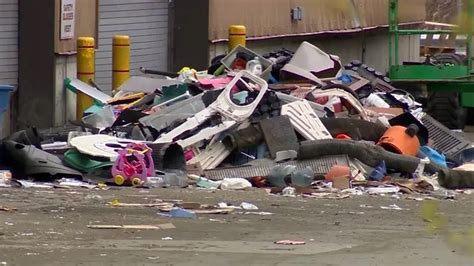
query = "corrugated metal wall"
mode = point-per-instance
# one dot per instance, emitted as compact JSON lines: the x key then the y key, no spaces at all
{"x":9,"y":42}
{"x":146,"y":22}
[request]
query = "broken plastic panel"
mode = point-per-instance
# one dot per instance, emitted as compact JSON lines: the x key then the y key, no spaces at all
{"x":146,"y":84}
{"x":230,"y":110}
{"x":212,"y":157}
{"x":314,"y":64}
{"x":228,"y":60}
{"x":100,"y":145}
{"x":317,"y":108}
{"x":178,"y":111}
{"x":76,"y":85}
{"x":346,"y":96}
{"x":305,"y":120}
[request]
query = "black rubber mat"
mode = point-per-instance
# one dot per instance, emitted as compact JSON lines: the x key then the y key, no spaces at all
{"x":279,"y":135}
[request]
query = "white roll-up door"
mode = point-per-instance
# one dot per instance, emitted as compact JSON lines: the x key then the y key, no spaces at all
{"x":146,"y":22}
{"x":9,"y":42}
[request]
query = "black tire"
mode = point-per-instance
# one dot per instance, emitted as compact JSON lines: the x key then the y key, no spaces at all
{"x":446,"y":58}
{"x":456,"y":59}
{"x":446,"y":108}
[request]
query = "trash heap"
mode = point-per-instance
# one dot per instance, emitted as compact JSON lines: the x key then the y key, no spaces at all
{"x":294,"y":122}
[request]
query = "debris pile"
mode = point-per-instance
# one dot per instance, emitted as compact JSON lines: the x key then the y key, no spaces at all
{"x":297,"y":123}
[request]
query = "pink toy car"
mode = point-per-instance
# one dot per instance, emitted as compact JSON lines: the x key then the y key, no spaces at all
{"x":134,"y":165}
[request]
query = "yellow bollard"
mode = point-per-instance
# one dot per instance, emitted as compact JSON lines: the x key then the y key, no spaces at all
{"x":237,"y":35}
{"x":85,"y":71}
{"x":120,"y":60}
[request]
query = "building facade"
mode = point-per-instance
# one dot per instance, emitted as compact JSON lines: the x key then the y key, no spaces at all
{"x":170,"y":34}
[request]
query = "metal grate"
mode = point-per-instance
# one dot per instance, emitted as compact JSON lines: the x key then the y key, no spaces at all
{"x":320,"y":166}
{"x":444,"y":140}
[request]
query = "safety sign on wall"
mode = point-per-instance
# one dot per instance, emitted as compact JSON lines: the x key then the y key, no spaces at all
{"x":68,"y":16}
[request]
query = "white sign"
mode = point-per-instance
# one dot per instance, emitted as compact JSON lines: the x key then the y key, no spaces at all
{"x":68,"y":17}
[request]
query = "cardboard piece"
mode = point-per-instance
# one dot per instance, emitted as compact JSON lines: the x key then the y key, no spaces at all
{"x":134,"y":205}
{"x":390,"y":111}
{"x":341,"y":182}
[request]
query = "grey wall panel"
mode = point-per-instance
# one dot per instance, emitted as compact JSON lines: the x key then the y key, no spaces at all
{"x":146,"y":22}
{"x":9,"y":42}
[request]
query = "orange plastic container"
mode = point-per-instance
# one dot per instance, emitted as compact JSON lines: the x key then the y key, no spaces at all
{"x":400,"y":140}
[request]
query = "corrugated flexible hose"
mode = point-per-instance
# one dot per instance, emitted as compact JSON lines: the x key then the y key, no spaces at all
{"x":371,"y":155}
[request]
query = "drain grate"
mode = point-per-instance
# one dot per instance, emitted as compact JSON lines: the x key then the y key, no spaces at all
{"x":320,"y":166}
{"x":444,"y":140}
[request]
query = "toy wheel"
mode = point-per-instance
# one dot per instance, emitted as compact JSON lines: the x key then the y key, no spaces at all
{"x":119,"y":180}
{"x":137,"y":182}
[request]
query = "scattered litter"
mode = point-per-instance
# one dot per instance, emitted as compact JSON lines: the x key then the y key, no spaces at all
{"x":214,"y":211}
{"x":5,"y":178}
{"x":248,"y":206}
{"x":93,"y":197}
{"x":7,"y":209}
{"x":259,"y":213}
{"x":297,"y":124}
{"x":289,"y":192}
{"x":359,"y":213}
{"x":31,"y":184}
{"x":222,"y":205}
{"x":117,"y":203}
{"x":322,"y":195}
{"x":68,"y":182}
{"x":289,"y":242}
{"x":235,"y":184}
{"x":383,"y":190}
{"x":217,"y":220}
{"x":416,"y":198}
{"x":392,"y":207}
{"x":179,"y":213}
{"x":206,"y":183}
{"x":136,"y":227}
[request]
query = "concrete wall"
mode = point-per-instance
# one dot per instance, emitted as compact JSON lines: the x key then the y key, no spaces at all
{"x":65,"y":100}
{"x":348,"y":47}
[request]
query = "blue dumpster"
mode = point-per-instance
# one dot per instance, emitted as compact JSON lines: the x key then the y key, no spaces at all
{"x":5,"y":91}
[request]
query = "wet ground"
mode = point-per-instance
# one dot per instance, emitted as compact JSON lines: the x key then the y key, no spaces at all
{"x":50,"y":228}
